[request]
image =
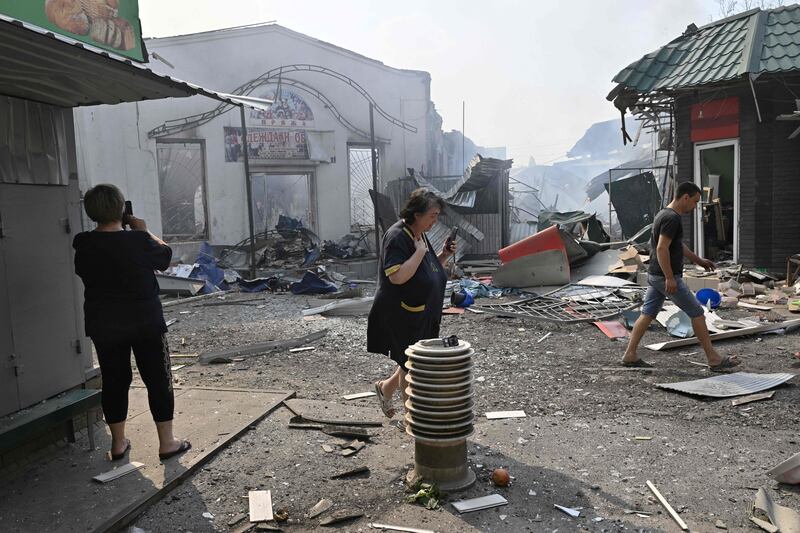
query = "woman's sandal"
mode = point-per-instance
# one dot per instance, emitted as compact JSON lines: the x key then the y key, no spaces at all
{"x":725,"y":364}
{"x":121,"y":455}
{"x":184,"y":447}
{"x":386,"y":403}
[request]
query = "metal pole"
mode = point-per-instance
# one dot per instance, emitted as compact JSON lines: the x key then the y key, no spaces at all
{"x":374,"y":181}
{"x":463,"y":134}
{"x":249,"y":188}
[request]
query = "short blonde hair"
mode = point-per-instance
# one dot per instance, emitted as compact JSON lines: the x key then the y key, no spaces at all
{"x":104,"y":203}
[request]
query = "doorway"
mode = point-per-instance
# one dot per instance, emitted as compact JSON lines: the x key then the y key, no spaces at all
{"x":716,"y":172}
{"x":289,"y":194}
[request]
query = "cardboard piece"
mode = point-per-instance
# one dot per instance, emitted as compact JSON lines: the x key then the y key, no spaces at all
{"x":260,"y":505}
{"x":785,"y":519}
{"x":479,"y":504}
{"x":118,"y":472}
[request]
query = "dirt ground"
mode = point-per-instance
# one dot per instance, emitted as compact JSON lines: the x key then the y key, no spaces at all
{"x":576,"y":448}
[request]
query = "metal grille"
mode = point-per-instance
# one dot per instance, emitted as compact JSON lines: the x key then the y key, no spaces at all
{"x":183,"y":194}
{"x":362,"y":212}
{"x":572,"y":303}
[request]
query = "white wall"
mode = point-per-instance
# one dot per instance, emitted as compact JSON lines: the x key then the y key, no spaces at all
{"x":114,"y":147}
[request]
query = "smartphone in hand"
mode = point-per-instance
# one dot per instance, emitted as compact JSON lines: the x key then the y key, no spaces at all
{"x":127,"y":213}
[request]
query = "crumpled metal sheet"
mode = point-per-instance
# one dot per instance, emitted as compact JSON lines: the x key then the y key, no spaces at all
{"x":728,"y":385}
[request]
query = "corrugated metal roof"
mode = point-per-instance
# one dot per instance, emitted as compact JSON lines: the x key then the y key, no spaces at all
{"x":41,"y":66}
{"x":756,"y":41}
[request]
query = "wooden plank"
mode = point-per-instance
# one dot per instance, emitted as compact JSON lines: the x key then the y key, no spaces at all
{"x":725,"y":335}
{"x":256,"y":349}
{"x":260,"y":505}
{"x":668,"y":507}
{"x":117,"y":473}
{"x":358,"y":395}
{"x":752,"y":398}
{"x":498,"y":415}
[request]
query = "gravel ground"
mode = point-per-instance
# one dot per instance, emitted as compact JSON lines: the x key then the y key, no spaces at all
{"x":576,"y":448}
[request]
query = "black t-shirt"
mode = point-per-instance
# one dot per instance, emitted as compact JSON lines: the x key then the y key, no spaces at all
{"x":121,"y":290}
{"x":668,"y":223}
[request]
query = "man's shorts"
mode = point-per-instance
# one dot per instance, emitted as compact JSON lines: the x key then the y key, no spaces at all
{"x":656,"y":293}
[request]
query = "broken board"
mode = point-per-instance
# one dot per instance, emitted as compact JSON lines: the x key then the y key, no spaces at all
{"x":728,"y":385}
{"x":535,"y":270}
{"x":225,"y":355}
{"x":334,"y":413}
{"x":499,"y":415}
{"x":260,"y":502}
{"x":724,"y":335}
{"x":118,"y":472}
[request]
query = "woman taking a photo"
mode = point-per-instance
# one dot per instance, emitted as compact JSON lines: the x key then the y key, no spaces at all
{"x":408,"y":302}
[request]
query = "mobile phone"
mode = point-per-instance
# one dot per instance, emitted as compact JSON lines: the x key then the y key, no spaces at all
{"x":451,"y":237}
{"x":127,"y":213}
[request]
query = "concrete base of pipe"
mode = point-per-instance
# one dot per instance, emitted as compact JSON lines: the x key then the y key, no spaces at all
{"x":444,"y":464}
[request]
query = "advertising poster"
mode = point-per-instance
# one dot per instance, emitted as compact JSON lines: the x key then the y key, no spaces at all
{"x":109,"y":24}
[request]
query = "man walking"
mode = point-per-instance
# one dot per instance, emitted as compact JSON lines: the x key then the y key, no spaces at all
{"x":665,"y":279}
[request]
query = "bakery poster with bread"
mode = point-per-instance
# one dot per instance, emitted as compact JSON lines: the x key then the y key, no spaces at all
{"x":112,"y":25}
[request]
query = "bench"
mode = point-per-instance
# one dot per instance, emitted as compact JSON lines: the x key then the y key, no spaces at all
{"x":20,"y":428}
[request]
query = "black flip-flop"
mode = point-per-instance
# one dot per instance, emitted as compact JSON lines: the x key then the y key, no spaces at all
{"x":639,"y":363}
{"x":725,"y":364}
{"x":184,"y":447}
{"x":121,"y":455}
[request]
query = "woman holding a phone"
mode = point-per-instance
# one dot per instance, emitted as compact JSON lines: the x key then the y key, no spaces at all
{"x":408,"y":302}
{"x":123,"y":313}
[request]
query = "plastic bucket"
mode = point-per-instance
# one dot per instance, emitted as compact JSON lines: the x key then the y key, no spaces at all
{"x":709,"y":296}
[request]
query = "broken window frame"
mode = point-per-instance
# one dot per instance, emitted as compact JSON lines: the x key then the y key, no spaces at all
{"x":166,"y":210}
{"x":266,"y":172}
{"x":560,"y":305}
{"x":359,"y":198}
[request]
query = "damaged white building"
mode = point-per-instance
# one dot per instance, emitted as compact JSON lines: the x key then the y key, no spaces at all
{"x":181,"y":161}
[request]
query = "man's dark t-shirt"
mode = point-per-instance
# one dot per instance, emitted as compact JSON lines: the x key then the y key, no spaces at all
{"x":121,"y":291}
{"x":667,"y":222}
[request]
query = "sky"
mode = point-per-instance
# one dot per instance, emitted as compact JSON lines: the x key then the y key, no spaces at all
{"x":533,"y":75}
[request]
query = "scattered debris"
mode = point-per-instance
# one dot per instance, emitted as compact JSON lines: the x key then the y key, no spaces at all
{"x":753,"y":398}
{"x":347,"y":432}
{"x":302,"y":349}
{"x":719,"y":524}
{"x":225,"y":355}
{"x":351,"y":307}
{"x":668,"y":507}
{"x":260,"y":505}
{"x":352,"y":448}
{"x":352,"y":473}
{"x":572,"y":303}
{"x":613,"y":329}
{"x":282,"y":515}
{"x":498,"y":415}
{"x":727,"y":385}
{"x":341,"y":516}
{"x":549,"y":267}
{"x":118,"y":472}
{"x":787,"y":471}
{"x":389,"y":527}
{"x":500,"y":477}
{"x":479,"y":504}
{"x":574,"y":513}
{"x":544,"y":337}
{"x":781,"y":518}
{"x":208,"y":515}
{"x":724,"y":335}
{"x":642,"y":437}
{"x":358,"y":395}
{"x":321,"y":506}
{"x":427,"y":495}
{"x":332,"y":413}
{"x":171,"y":321}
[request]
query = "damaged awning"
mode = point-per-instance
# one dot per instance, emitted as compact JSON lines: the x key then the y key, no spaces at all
{"x":479,"y":174}
{"x":44,"y":67}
